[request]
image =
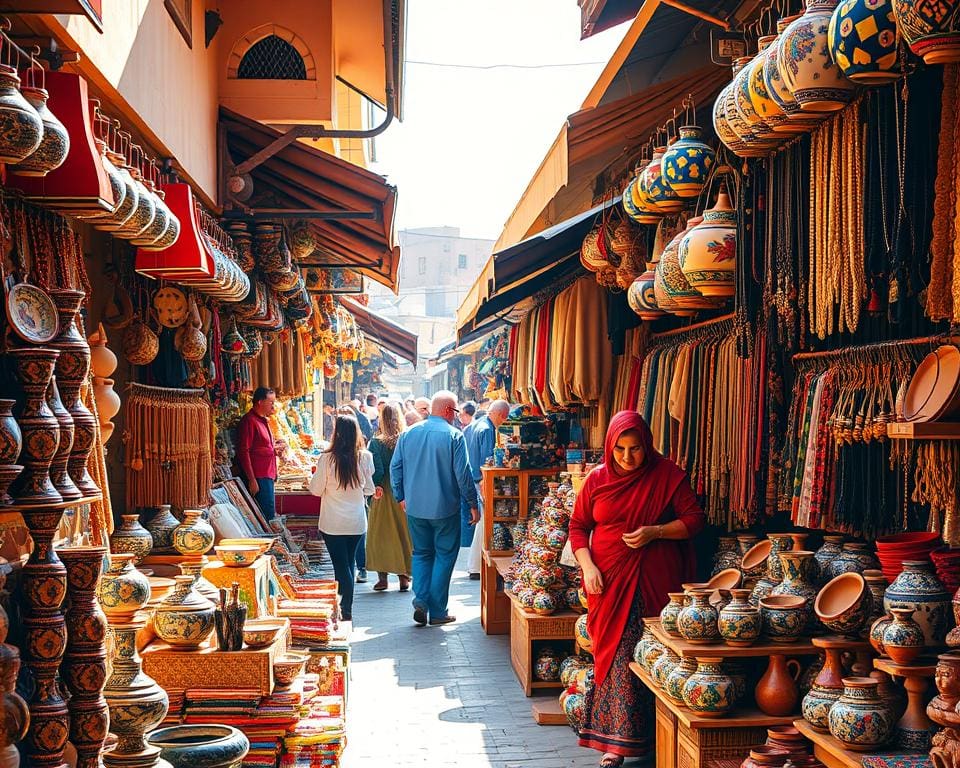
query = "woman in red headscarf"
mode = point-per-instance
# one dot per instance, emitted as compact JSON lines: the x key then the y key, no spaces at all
{"x":630,"y":533}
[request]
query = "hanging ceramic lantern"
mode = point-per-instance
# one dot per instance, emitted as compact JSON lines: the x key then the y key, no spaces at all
{"x":760,"y":99}
{"x":863,"y":41}
{"x":649,"y":214}
{"x":750,"y":144}
{"x":626,"y":200}
{"x":55,"y":144}
{"x":742,"y":103}
{"x":129,"y":202}
{"x":931,"y":29}
{"x":798,"y":120}
{"x":641,"y":298}
{"x":21,"y":129}
{"x":681,"y":299}
{"x":721,"y":126}
{"x":687,"y":162}
{"x":657,"y":192}
{"x":806,"y":67}
{"x":707,"y":253}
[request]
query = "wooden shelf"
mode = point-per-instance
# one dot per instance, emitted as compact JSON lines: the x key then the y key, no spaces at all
{"x":833,"y":754}
{"x":924,"y":666}
{"x":502,"y":564}
{"x":506,"y":518}
{"x":686,"y":649}
{"x":741,"y":717}
{"x":47,"y":506}
{"x":497,"y":498}
{"x":540,"y":684}
{"x":924,"y":430}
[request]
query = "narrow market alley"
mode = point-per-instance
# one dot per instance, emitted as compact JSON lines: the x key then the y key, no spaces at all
{"x":442,"y":696}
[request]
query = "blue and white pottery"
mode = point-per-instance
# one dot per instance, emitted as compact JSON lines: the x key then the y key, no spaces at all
{"x":797,"y":566}
{"x":185,"y":617}
{"x":200,"y":746}
{"x":917,"y":587}
{"x":779,"y":542}
{"x":784,"y":617}
{"x":739,"y":622}
{"x":861,"y":720}
{"x":816,"y":705}
{"x":697,"y":622}
{"x":902,"y":638}
{"x":678,"y":678}
{"x":670,"y":614}
{"x":709,"y":691}
{"x":829,"y":550}
{"x":855,"y":557}
{"x":123,"y":590}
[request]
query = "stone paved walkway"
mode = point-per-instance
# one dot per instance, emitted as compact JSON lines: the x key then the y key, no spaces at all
{"x":433,"y":697}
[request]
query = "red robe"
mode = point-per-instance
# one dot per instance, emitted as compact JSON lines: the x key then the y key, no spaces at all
{"x":610,"y":505}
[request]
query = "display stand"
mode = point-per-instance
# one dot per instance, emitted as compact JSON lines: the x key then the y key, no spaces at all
{"x":254,"y":581}
{"x":528,"y":631}
{"x":494,"y":604}
{"x":914,"y":727}
{"x":833,"y":754}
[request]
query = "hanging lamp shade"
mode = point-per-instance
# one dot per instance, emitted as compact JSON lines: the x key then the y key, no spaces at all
{"x":761,"y":100}
{"x":660,"y":196}
{"x":678,"y":297}
{"x":863,"y":41}
{"x":707,"y":252}
{"x":687,"y":162}
{"x":648,"y":214}
{"x":188,"y":258}
{"x":721,"y":126}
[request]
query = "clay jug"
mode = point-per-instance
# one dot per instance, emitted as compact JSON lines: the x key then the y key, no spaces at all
{"x":777,"y":692}
{"x":108,"y":401}
{"x":102,"y":360}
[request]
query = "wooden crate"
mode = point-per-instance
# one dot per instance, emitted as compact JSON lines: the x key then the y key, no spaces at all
{"x":528,"y":633}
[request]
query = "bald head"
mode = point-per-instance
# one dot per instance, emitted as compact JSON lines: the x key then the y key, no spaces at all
{"x":498,"y":412}
{"x":444,"y":405}
{"x":422,"y":406}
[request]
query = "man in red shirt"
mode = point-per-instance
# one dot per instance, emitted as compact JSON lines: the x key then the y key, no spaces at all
{"x":257,"y":450}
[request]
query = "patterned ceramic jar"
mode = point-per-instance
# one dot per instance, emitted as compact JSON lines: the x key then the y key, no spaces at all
{"x":662,"y":197}
{"x":829,"y":550}
{"x":651,"y":652}
{"x":709,"y":691}
{"x":21,"y":129}
{"x":55,"y":144}
{"x":727,"y":555}
{"x":918,"y":588}
{"x":185,"y":618}
{"x":123,"y":590}
{"x":860,"y":720}
{"x":575,"y":708}
{"x":546,"y":668}
{"x":544,"y":603}
{"x":902,"y":638}
{"x":931,"y":28}
{"x":721,"y":125}
{"x":670,"y":614}
{"x":707,"y":253}
{"x":663,"y":666}
{"x":697,"y":622}
{"x":739,"y":622}
{"x":854,"y":557}
{"x":863,"y":41}
{"x":194,"y":536}
{"x":763,"y":103}
{"x":569,"y":668}
{"x":132,"y":537}
{"x":581,"y":634}
{"x":687,"y":162}
{"x":797,"y":566}
{"x":678,"y":678}
{"x":784,"y":617}
{"x":200,"y":746}
{"x":642,"y":299}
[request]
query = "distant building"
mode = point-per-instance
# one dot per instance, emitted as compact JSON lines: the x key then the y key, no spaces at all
{"x":437,"y":269}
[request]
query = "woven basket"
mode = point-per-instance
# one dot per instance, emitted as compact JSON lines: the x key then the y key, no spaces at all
{"x":590,"y":254}
{"x":627,"y":243}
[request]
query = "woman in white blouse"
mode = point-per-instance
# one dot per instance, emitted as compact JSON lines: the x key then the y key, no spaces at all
{"x":343,"y":479}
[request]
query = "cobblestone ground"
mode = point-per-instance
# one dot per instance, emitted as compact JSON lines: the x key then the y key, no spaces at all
{"x":441,"y":696}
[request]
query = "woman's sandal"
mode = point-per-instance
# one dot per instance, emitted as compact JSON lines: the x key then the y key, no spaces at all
{"x":404,"y":583}
{"x":610,"y":760}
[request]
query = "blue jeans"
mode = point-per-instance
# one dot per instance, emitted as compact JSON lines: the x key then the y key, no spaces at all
{"x":265,"y":497}
{"x":343,"y":552}
{"x":436,"y":544}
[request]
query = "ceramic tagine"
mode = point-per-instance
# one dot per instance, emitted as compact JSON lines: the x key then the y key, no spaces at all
{"x":918,"y":588}
{"x":185,"y":618}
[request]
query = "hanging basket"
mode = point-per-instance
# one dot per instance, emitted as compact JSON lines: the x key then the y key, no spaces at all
{"x":627,"y":243}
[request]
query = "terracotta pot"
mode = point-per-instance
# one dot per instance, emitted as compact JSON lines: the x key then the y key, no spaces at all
{"x":102,"y":360}
{"x":859,"y":719}
{"x":918,"y":588}
{"x":20,"y":126}
{"x":108,"y":401}
{"x":765,"y":756}
{"x":777,"y":693}
{"x":845,"y":604}
{"x":789,"y":739}
{"x":903,"y":638}
{"x":875,"y":636}
{"x":55,"y":144}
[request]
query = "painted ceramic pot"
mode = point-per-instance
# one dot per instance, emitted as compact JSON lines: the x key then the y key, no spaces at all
{"x":918,"y":588}
{"x":185,"y":618}
{"x":739,"y":622}
{"x":55,"y":144}
{"x":875,"y":635}
{"x":671,"y":287}
{"x":855,"y":557}
{"x":697,"y":622}
{"x":779,"y":542}
{"x":797,"y":120}
{"x":816,"y":705}
{"x":670,"y":614}
{"x":641,"y":297}
{"x":877,"y":584}
{"x":687,"y":162}
{"x":797,"y":566}
{"x":863,"y":41}
{"x":194,"y":536}
{"x":678,"y":677}
{"x":544,"y":603}
{"x":21,"y":129}
{"x":662,"y":197}
{"x":581,"y":634}
{"x":651,"y":652}
{"x":663,"y":666}
{"x":845,"y":604}
{"x":546,"y":667}
{"x":727,"y":555}
{"x":829,"y":550}
{"x":784,"y":617}
{"x":931,"y":29}
{"x":500,"y":538}
{"x":123,"y":589}
{"x":569,"y":668}
{"x":903,"y":638}
{"x":10,"y":437}
{"x":645,"y":637}
{"x":161,"y":527}
{"x":132,"y":537}
{"x":763,"y":103}
{"x":200,"y":746}
{"x":648,"y":212}
{"x":721,"y":126}
{"x":145,"y":211}
{"x":707,"y":253}
{"x":709,"y":691}
{"x":809,"y":72}
{"x":744,"y":104}
{"x":58,"y":467}
{"x":860,"y":720}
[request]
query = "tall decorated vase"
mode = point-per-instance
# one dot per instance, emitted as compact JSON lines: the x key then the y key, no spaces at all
{"x":863,"y":41}
{"x":707,"y":253}
{"x":931,"y":28}
{"x":918,"y":588}
{"x":33,"y":367}
{"x":797,"y":570}
{"x":58,"y":466}
{"x":811,"y":75}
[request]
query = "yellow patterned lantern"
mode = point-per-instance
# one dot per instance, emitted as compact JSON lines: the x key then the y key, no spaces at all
{"x":660,"y":196}
{"x":687,"y":162}
{"x":761,"y":100}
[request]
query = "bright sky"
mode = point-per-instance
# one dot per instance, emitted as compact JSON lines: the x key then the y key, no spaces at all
{"x":472,"y":138}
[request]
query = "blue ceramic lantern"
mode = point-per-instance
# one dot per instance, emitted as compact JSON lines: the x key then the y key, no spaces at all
{"x":687,"y":162}
{"x":641,"y":298}
{"x":863,"y":41}
{"x":661,"y":197}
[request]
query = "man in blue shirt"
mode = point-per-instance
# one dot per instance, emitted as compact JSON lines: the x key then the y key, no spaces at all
{"x":481,"y":437}
{"x":429,"y":475}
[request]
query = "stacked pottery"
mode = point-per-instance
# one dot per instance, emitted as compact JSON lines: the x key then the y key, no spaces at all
{"x":707,"y":253}
{"x":810,"y":74}
{"x":797,"y":569}
{"x":709,"y":691}
{"x":826,"y":688}
{"x":893,"y":551}
{"x":697,"y":622}
{"x":739,"y":622}
{"x":58,"y":466}
{"x":185,"y":618}
{"x":663,"y":666}
{"x":859,"y":719}
{"x":863,"y":41}
{"x":40,"y":429}
{"x":670,"y":614}
{"x":21,"y":128}
{"x":765,"y":756}
{"x":903,"y":638}
{"x":919,"y":589}
{"x":931,"y":30}
{"x":830,"y":549}
{"x":133,"y":538}
{"x":10,"y":443}
{"x":845,"y":605}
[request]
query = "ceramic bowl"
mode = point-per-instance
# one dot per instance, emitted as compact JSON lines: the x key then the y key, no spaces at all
{"x":729,"y":578}
{"x":784,"y":617}
{"x":259,"y":633}
{"x":845,"y":604}
{"x":288,"y":667}
{"x":262,"y":544}
{"x":755,"y":559}
{"x":237,"y":555}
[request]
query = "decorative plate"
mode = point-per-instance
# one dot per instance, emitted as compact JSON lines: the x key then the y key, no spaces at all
{"x":32,"y":313}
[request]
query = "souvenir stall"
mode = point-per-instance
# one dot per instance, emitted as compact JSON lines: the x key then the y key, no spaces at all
{"x":131,"y":313}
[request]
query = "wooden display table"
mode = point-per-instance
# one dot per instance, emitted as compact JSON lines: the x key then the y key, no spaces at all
{"x":833,"y":754}
{"x":529,"y":634}
{"x":254,"y":582}
{"x":494,"y":603}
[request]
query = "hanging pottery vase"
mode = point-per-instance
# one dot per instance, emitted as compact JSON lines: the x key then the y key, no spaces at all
{"x":687,"y":162}
{"x":128,"y":202}
{"x":145,"y":211}
{"x":813,"y":78}
{"x":630,"y":206}
{"x":648,"y":212}
{"x":797,"y":120}
{"x":662,"y":197}
{"x":709,"y":691}
{"x":761,"y":101}
{"x":931,"y":29}
{"x":667,"y":229}
{"x":194,"y":536}
{"x":185,"y":617}
{"x":721,"y":126}
{"x":131,"y":537}
{"x":743,"y":103}
{"x":860,"y":720}
{"x":863,"y":41}
{"x":681,"y":299}
{"x":918,"y":588}
{"x":641,"y":298}
{"x":58,"y":467}
{"x":200,"y":746}
{"x":20,"y":126}
{"x":55,"y":144}
{"x":158,"y":225}
{"x":707,"y":253}
{"x":751,"y":145}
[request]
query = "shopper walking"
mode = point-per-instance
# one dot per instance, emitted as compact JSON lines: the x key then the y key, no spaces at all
{"x":422,"y":406}
{"x":389,"y":549}
{"x":343,"y":479}
{"x":430,"y":474}
{"x":481,"y":438}
{"x":630,"y":533}
{"x":257,"y":450}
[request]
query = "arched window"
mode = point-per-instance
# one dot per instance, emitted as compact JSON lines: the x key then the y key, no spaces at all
{"x":272,"y":58}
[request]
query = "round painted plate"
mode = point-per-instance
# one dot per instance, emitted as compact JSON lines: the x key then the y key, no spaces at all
{"x":933,"y":389}
{"x":32,"y":313}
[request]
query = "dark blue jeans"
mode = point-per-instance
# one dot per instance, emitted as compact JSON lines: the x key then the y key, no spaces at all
{"x":266,"y":499}
{"x":343,"y":552}
{"x":436,"y":544}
